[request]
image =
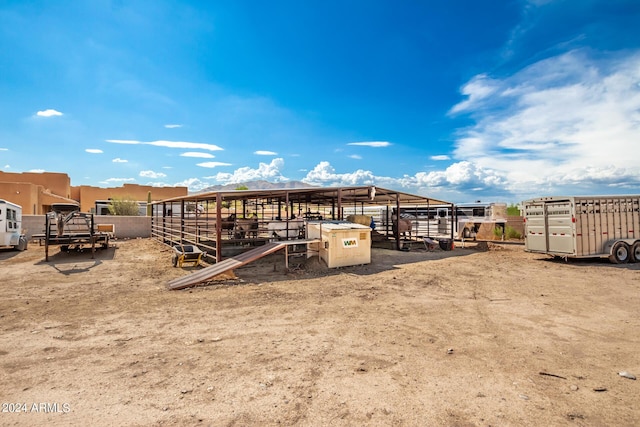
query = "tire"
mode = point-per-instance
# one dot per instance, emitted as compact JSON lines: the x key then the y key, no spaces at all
{"x":445,"y":244}
{"x":635,"y":252}
{"x":466,"y":233}
{"x":620,"y":253}
{"x":22,"y":244}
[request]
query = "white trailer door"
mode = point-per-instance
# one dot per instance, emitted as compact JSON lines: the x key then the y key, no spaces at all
{"x":560,"y":225}
{"x":535,"y":227}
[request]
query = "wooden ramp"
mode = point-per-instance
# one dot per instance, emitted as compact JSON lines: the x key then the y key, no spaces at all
{"x":231,"y":263}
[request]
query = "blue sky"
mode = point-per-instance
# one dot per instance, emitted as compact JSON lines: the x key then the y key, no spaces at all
{"x":457,"y":100}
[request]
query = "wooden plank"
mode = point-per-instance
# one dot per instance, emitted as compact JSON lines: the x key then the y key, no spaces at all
{"x":233,"y":262}
{"x":226,"y":265}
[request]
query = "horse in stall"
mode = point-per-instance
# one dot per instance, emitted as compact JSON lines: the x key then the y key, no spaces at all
{"x":246,"y":227}
{"x":401,"y":226}
{"x":229,"y":224}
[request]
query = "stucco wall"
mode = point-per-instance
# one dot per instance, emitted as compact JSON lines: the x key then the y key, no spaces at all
{"x":88,"y":194}
{"x":56,"y":182}
{"x":126,"y":227}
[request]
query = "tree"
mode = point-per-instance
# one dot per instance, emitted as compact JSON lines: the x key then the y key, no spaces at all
{"x":513,"y":210}
{"x":123,"y":206}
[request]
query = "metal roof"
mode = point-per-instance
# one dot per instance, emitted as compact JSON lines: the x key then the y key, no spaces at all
{"x":367,"y":195}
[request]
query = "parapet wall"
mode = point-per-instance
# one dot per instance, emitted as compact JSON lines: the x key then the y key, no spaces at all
{"x":125,"y":227}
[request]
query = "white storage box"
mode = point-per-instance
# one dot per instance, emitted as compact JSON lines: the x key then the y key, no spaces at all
{"x":342,"y":243}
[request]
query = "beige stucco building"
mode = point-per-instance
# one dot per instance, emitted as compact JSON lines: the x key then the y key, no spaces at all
{"x":36,"y":191}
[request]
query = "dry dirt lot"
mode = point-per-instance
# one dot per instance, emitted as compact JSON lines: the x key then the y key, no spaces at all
{"x":468,"y":337}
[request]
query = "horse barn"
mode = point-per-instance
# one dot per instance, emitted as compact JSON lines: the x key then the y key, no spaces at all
{"x":228,"y":223}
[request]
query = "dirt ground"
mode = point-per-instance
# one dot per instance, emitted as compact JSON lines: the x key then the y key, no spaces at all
{"x":477,"y":336}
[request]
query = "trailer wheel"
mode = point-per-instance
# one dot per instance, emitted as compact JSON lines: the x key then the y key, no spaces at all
{"x":620,"y":253}
{"x":466,"y":233}
{"x":635,"y":252}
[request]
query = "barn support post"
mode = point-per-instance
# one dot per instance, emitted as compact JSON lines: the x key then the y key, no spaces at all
{"x":195,"y":225}
{"x":218,"y":227}
{"x":428,"y":219}
{"x":289,"y":211}
{"x":182,"y":222}
{"x":454,"y":222}
{"x":164,"y":221}
{"x":93,"y":239}
{"x":339,"y":203}
{"x":397,"y":232}
{"x":47,"y":234}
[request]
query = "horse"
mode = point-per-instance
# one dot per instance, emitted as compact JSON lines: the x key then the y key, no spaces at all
{"x":246,"y":227}
{"x":401,"y":226}
{"x":229,"y":224}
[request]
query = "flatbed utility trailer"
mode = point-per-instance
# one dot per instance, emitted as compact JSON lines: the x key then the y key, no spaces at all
{"x":11,"y":226}
{"x":69,"y":228}
{"x":584,"y":227}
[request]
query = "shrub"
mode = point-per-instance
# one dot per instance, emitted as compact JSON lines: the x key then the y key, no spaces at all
{"x":512,"y":233}
{"x":123,"y":206}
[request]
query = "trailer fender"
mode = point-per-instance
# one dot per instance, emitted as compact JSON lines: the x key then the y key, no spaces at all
{"x":620,"y":250}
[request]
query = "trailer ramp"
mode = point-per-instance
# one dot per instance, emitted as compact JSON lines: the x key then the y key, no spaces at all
{"x":231,"y":263}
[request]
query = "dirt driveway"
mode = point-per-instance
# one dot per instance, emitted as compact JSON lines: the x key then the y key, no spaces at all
{"x":468,"y":337}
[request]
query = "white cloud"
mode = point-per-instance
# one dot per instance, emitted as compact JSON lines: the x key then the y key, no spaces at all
{"x":212,"y":164}
{"x":355,"y":157}
{"x":440,"y":157}
{"x":197,"y":154}
{"x":270,"y":171}
{"x":124,"y":141}
{"x":325,"y":175}
{"x":455,"y":183}
{"x":569,"y":118}
{"x":169,"y":144}
{"x":265,"y":153}
{"x":478,"y":89}
{"x":94,"y":151}
{"x":194,"y":184}
{"x":462,"y":176}
{"x":372,"y":144}
{"x":152,"y":174}
{"x":172,"y":126}
{"x":49,"y":113}
{"x":37,"y":171}
{"x":117,"y":180}
{"x":119,"y":160}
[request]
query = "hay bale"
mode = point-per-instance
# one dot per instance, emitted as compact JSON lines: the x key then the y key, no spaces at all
{"x":360,"y":219}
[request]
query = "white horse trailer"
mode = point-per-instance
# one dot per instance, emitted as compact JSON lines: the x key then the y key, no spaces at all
{"x":482,"y":220}
{"x":11,"y":226}
{"x":584,"y":227}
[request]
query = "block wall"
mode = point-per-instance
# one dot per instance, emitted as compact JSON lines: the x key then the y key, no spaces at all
{"x":126,"y":227}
